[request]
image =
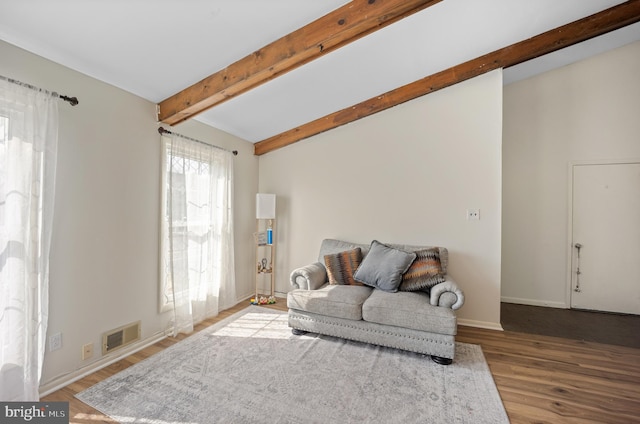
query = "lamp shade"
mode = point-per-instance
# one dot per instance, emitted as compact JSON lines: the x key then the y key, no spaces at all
{"x":265,"y":206}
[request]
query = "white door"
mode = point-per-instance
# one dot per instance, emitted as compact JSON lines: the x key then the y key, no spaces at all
{"x":606,"y":224}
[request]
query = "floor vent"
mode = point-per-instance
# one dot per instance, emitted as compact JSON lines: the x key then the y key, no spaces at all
{"x":120,"y":337}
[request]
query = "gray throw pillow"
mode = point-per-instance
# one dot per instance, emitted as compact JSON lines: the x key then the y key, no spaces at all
{"x":383,"y":267}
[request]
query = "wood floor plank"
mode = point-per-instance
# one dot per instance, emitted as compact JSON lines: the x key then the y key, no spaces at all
{"x":553,"y":380}
{"x":540,"y":379}
{"x":588,"y":401}
{"x":566,"y":380}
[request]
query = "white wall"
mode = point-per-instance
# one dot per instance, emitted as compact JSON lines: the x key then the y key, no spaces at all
{"x":587,"y":111}
{"x":405,"y":175}
{"x":104,"y":260}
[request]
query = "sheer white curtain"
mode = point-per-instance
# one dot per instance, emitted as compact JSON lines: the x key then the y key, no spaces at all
{"x":198,"y":261}
{"x":28,"y":148}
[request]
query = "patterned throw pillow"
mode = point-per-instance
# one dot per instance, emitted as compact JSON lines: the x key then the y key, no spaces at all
{"x":424,"y":273}
{"x":341,"y":266}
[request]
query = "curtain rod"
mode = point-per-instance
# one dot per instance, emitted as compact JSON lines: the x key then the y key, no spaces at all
{"x":71,"y":100}
{"x":163,"y":131}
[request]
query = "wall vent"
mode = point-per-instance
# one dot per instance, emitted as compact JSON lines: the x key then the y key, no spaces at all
{"x":120,"y":337}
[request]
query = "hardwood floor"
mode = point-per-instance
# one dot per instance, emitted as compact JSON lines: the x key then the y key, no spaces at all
{"x":593,"y":326}
{"x":540,"y":379}
{"x":545,"y":379}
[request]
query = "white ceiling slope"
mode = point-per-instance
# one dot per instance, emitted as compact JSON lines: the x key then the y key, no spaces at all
{"x":155,"y":48}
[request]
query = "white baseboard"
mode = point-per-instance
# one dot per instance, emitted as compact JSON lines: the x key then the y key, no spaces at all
{"x":480,"y":324}
{"x":534,"y":302}
{"x":244,"y":297}
{"x":62,"y":381}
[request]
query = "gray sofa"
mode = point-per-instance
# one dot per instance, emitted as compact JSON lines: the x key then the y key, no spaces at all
{"x":417,"y":321}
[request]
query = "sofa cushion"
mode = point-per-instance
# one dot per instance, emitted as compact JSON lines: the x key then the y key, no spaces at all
{"x":424,"y":273}
{"x":410,"y":310}
{"x":330,"y":246}
{"x":383,"y":267}
{"x":331,"y":300}
{"x":444,"y":253}
{"x":334,"y":246}
{"x":341,"y":266}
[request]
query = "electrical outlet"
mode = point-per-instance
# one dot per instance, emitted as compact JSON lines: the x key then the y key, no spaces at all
{"x":87,"y":351}
{"x":55,"y":342}
{"x":473,"y":214}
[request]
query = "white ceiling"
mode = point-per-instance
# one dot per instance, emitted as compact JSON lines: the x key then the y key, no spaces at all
{"x":155,"y":48}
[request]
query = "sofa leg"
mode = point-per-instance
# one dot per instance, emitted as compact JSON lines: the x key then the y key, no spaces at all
{"x":440,"y":360}
{"x":297,"y":332}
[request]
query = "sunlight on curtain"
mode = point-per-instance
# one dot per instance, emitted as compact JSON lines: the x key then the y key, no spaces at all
{"x":28,"y":148}
{"x":198,"y":263}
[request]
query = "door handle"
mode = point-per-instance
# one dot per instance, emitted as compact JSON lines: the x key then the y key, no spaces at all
{"x":577,"y":289}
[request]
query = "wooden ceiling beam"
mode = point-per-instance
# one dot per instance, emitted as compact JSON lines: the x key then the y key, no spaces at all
{"x":348,"y":23}
{"x":592,"y":26}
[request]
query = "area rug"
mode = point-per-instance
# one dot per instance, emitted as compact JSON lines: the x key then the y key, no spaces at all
{"x":249,"y":368}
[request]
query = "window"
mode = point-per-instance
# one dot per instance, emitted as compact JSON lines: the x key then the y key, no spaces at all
{"x":197,"y":237}
{"x":28,"y":153}
{"x":186,"y":212}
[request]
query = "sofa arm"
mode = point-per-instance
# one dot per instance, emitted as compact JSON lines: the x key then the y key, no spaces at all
{"x":309,"y":277}
{"x":447,"y":294}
